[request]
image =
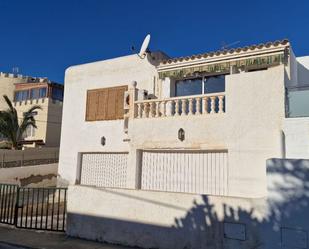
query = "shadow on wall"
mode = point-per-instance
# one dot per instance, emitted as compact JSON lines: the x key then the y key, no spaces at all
{"x":303,"y":74}
{"x":279,"y":221}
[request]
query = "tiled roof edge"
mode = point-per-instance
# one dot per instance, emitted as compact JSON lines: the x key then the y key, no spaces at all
{"x":226,"y":51}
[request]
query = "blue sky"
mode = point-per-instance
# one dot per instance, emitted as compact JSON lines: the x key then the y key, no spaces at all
{"x":44,"y":37}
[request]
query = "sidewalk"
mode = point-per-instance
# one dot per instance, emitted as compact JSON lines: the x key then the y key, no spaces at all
{"x":12,"y":238}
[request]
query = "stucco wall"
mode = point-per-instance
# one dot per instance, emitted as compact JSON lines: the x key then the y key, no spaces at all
{"x":172,"y":220}
{"x":54,"y":119}
{"x":296,"y":131}
{"x":303,"y":70}
{"x":48,"y":120}
{"x":41,"y":117}
{"x":44,"y":175}
{"x":80,"y":136}
{"x":250,"y":130}
{"x":7,"y":87}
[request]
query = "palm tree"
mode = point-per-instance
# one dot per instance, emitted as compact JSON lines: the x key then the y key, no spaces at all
{"x":11,"y":128}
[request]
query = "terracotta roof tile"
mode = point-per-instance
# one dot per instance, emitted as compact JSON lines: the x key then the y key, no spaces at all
{"x":230,"y":51}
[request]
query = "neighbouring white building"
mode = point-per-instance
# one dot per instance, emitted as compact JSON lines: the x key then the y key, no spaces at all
{"x":205,"y":151}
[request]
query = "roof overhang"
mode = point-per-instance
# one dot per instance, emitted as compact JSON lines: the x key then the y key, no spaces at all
{"x":270,"y":54}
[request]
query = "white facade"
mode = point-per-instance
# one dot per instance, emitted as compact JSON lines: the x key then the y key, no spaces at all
{"x":79,"y":79}
{"x":216,"y":149}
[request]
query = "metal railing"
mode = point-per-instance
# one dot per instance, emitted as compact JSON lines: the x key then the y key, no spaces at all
{"x":33,"y":208}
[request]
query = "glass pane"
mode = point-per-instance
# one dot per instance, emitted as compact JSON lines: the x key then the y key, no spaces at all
{"x":18,"y":96}
{"x":57,"y":93}
{"x":42,"y":92}
{"x":298,"y":101}
{"x":214,"y":84}
{"x":189,"y":87}
{"x":24,"y":95}
{"x":34,"y":93}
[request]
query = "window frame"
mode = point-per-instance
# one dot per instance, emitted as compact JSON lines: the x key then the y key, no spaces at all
{"x":203,"y":77}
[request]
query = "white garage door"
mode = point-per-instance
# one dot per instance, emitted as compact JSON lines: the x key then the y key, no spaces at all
{"x":203,"y":172}
{"x":104,"y":169}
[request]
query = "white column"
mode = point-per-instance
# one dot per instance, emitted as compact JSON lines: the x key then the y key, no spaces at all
{"x":190,"y":107}
{"x":139,"y":110}
{"x":183,"y":107}
{"x":132,"y":94}
{"x":166,"y":88}
{"x":205,"y":105}
{"x":163,"y":106}
{"x":198,"y":106}
{"x":220,"y":104}
{"x":176,"y":107}
{"x":157,"y":109}
{"x":212,"y":104}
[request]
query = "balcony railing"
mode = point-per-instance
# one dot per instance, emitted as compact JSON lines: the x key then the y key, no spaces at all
{"x":181,"y":106}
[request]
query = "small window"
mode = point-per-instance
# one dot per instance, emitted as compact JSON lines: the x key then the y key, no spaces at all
{"x":105,"y":103}
{"x":29,"y":132}
{"x":297,"y":102}
{"x":21,"y":95}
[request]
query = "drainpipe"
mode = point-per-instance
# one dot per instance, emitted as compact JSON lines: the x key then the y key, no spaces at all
{"x":282,"y":144}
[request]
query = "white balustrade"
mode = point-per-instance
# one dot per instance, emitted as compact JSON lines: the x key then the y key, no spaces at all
{"x":181,"y":106}
{"x":177,"y":111}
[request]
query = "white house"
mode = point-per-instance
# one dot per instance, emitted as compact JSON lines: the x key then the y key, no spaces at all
{"x":163,"y":152}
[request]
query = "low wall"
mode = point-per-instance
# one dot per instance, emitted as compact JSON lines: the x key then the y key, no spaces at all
{"x":32,"y":176}
{"x":167,"y":220}
{"x":32,"y":156}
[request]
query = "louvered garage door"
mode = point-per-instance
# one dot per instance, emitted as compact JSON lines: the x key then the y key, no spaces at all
{"x":203,"y":172}
{"x":104,"y":169}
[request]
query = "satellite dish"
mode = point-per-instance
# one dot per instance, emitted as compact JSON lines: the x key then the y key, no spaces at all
{"x":144,"y":46}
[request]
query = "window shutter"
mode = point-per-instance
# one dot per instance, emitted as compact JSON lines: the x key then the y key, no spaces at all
{"x":111,"y":111}
{"x":119,"y":102}
{"x":91,"y":108}
{"x":102,"y":104}
{"x":105,"y":104}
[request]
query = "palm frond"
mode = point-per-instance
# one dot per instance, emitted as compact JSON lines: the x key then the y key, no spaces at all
{"x":11,"y":127}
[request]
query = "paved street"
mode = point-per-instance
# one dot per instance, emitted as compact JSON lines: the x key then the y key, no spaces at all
{"x":12,"y":238}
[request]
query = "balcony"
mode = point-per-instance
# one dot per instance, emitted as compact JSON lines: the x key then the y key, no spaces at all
{"x":206,"y":104}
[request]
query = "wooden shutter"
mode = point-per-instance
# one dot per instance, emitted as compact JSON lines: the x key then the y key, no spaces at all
{"x":111,"y":102}
{"x":105,"y":103}
{"x":120,"y":102}
{"x":102,"y":104}
{"x":115,"y":103}
{"x":92,"y":102}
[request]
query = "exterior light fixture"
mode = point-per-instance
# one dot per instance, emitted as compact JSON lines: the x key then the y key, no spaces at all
{"x":181,"y":134}
{"x":103,"y":141}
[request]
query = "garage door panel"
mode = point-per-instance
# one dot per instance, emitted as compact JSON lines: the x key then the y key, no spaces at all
{"x":203,"y":172}
{"x":104,"y":169}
